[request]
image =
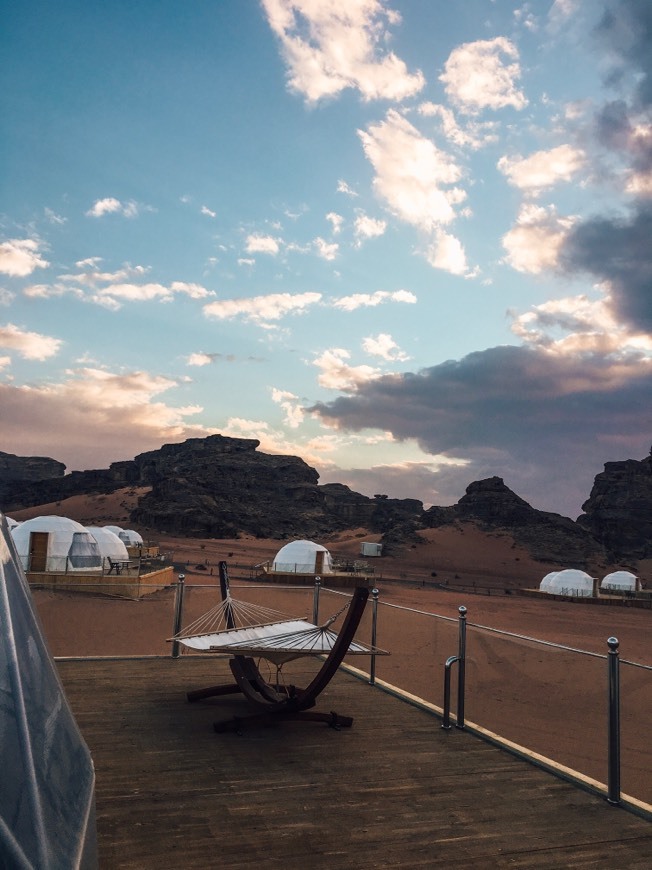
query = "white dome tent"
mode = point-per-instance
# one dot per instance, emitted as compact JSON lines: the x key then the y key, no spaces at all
{"x":303,"y":557}
{"x":548,"y":582}
{"x":619,"y":581}
{"x":52,"y":543}
{"x":130,"y":538}
{"x":570,"y":581}
{"x":111,"y":547}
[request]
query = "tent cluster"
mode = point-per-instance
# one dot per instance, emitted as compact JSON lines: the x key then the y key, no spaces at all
{"x":52,"y":543}
{"x":579,"y":584}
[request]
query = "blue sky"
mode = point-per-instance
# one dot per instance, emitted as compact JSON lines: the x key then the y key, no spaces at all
{"x":406,"y":240}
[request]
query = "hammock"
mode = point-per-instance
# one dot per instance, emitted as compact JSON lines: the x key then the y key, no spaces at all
{"x":279,"y":640}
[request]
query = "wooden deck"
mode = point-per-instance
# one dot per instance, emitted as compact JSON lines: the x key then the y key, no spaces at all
{"x":395,"y":790}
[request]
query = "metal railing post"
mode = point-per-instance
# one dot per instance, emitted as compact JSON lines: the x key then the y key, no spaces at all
{"x":374,"y":630}
{"x":178,"y":613}
{"x":461,"y":668}
{"x":613,"y":796}
{"x":315,"y":601}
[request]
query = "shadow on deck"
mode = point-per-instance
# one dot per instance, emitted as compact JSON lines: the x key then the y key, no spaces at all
{"x":395,"y":790}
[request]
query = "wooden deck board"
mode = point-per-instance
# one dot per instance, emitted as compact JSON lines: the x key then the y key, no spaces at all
{"x":395,"y":790}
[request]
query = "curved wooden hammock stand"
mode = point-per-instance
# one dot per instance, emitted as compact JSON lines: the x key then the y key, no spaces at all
{"x":274,"y":701}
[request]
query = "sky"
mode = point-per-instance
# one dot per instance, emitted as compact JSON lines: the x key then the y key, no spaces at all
{"x":409,"y":241}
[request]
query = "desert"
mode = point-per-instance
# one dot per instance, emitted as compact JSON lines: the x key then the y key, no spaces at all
{"x":550,"y":700}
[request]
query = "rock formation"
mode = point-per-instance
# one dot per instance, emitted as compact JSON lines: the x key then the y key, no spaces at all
{"x":618,"y":512}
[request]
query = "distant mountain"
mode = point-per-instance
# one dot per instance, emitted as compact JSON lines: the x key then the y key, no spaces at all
{"x":222,"y":487}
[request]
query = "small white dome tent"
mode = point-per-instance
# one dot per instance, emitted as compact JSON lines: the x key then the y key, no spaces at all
{"x":111,"y":547}
{"x":115,"y":529}
{"x":570,"y":581}
{"x":547,"y":584}
{"x":303,"y":557}
{"x":56,"y":544}
{"x":130,"y":538}
{"x":619,"y":581}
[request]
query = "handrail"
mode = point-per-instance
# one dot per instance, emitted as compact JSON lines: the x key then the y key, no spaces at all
{"x":460,"y":660}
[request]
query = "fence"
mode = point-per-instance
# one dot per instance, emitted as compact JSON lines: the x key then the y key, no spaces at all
{"x":555,"y":702}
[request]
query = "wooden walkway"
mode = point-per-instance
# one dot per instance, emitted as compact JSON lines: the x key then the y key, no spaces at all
{"x":395,"y":790}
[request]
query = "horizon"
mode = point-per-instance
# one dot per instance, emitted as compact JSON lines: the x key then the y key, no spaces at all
{"x":408,"y":244}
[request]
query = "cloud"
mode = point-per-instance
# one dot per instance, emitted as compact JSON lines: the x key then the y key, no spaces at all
{"x":329,"y":47}
{"x":111,"y":205}
{"x":201,"y":359}
{"x":6,"y":296}
{"x":294,"y":413}
{"x":343,"y":187}
{"x":383,"y":346}
{"x":534,"y":244}
{"x":626,"y":29}
{"x":326,"y":250}
{"x":412,"y":174}
{"x":366,"y":227}
{"x":94,"y":418}
{"x":30,"y":345}
{"x":336,"y":221}
{"x":544,"y":423}
{"x":207,"y":211}
{"x":20,"y":257}
{"x":617,"y":250}
{"x":471,"y":134}
{"x":337,"y":374}
{"x":447,"y":252}
{"x":543,"y":169}
{"x":262,"y":309}
{"x":483,"y":75}
{"x":259,"y":244}
{"x":370,"y":300}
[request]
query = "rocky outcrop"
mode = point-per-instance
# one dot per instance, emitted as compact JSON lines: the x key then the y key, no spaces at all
{"x":618,"y":513}
{"x":17,"y":471}
{"x":548,"y":537}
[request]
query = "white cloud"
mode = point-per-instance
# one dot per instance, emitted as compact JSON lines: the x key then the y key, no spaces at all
{"x":336,"y":221}
{"x":5,"y":362}
{"x":368,"y":228}
{"x":473,"y":134}
{"x":383,"y":346}
{"x":19,"y":257}
{"x":262,"y":309}
{"x":343,"y":187}
{"x":200,"y":359}
{"x":370,"y":300}
{"x":542,"y":169}
{"x":258,"y":244}
{"x":207,"y":211}
{"x":337,"y":374}
{"x":446,"y":252}
{"x":30,"y":345}
{"x":577,"y":326}
{"x":326,"y":250}
{"x":533,"y":245}
{"x":411,"y":173}
{"x":479,"y":75}
{"x":54,"y":218}
{"x":294,"y":413}
{"x":6,"y":296}
{"x":111,"y":205}
{"x":332,"y":46}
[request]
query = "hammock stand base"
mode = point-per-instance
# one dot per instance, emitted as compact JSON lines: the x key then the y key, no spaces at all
{"x":275,"y":702}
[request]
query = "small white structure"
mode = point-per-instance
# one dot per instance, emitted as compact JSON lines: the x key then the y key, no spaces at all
{"x":130,"y":538}
{"x":111,"y":547}
{"x":570,"y":581}
{"x":56,"y":544}
{"x":303,"y":557}
{"x":620,"y":581}
{"x":367,"y":548}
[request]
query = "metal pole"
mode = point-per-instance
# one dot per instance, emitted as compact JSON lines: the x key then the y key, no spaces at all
{"x":315,"y":601}
{"x":461,"y":668}
{"x":178,"y":614}
{"x":614,"y":722}
{"x":374,"y":630}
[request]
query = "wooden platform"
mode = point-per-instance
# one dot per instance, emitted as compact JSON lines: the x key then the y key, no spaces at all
{"x":395,"y":790}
